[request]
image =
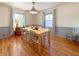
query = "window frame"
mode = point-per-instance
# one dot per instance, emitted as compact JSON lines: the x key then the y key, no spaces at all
{"x":45,"y":19}
{"x":18,"y":13}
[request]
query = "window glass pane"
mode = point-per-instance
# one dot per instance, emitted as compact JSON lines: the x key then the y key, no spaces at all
{"x":49,"y":23}
{"x":18,"y":19}
{"x":48,"y":20}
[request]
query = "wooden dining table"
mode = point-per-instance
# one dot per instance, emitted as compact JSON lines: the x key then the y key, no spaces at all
{"x":40,"y":32}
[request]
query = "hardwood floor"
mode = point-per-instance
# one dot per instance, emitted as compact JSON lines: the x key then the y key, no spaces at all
{"x":15,"y":45}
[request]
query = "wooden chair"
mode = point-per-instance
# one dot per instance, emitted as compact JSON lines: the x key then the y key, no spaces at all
{"x":33,"y":37}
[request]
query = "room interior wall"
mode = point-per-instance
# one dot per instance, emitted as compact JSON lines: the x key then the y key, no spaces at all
{"x":68,"y":15}
{"x":4,"y":15}
{"x":67,"y":18}
{"x":30,"y":19}
{"x":4,"y":20}
{"x":39,"y":18}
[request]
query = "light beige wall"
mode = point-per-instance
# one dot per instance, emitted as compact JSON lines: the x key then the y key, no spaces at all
{"x":67,"y":15}
{"x":30,"y":19}
{"x":34,"y":19}
{"x":39,"y":18}
{"x":4,"y":15}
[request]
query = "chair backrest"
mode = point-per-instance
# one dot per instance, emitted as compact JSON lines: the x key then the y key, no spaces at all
{"x":23,"y":31}
{"x":76,"y":30}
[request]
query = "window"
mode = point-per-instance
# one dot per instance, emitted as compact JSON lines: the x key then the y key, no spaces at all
{"x":18,"y":19}
{"x":48,"y":20}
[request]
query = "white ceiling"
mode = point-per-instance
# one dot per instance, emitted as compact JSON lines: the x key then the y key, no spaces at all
{"x":38,"y":5}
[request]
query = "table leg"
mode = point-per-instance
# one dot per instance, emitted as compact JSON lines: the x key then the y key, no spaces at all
{"x":39,"y":44}
{"x":49,"y":38}
{"x":49,"y":43}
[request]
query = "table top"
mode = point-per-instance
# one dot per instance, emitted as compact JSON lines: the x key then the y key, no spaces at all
{"x":39,"y":31}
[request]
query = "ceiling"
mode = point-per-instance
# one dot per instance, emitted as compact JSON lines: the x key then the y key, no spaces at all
{"x":38,"y":5}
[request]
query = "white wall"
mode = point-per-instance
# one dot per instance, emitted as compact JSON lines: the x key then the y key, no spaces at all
{"x":30,"y":19}
{"x":4,"y":15}
{"x":16,"y":10}
{"x":67,"y":15}
{"x":39,"y":18}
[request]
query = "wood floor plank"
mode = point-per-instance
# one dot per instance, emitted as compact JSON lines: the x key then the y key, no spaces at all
{"x":16,"y":46}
